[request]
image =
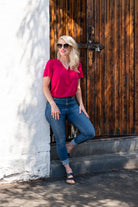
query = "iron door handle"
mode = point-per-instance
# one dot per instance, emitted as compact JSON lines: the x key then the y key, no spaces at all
{"x":92,"y":45}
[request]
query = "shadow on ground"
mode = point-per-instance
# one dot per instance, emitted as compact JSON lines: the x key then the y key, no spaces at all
{"x":113,"y":189}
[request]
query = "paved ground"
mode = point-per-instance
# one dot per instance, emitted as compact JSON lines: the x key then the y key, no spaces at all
{"x":114,"y":189}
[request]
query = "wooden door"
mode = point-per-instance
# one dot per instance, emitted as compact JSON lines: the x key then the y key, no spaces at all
{"x":111,"y":74}
{"x":110,"y":84}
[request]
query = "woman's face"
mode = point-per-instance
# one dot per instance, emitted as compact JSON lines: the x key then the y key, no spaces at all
{"x":63,"y":48}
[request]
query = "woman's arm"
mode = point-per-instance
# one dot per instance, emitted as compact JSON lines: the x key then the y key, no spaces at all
{"x":80,"y":101}
{"x":54,"y":109}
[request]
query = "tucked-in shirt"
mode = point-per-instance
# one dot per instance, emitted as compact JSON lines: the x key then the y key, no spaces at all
{"x":64,"y":81}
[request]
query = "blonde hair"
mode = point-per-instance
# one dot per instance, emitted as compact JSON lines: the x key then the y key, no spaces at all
{"x":74,"y":53}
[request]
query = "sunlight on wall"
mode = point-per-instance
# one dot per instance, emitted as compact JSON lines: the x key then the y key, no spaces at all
{"x":24,"y":40}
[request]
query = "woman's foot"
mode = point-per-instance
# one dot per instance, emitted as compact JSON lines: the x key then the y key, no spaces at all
{"x":70,"y":179}
{"x":69,"y":147}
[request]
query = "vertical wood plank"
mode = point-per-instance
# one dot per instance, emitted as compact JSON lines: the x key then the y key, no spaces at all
{"x":111,"y":93}
{"x":102,"y":68}
{"x":68,"y":17}
{"x":124,"y":75}
{"x":97,"y":70}
{"x":107,"y":52}
{"x":74,"y":19}
{"x":117,"y":67}
{"x":132,"y":67}
{"x":60,"y":22}
{"x":83,"y":52}
{"x":83,"y":19}
{"x":52,"y":28}
{"x":120,"y":67}
{"x":78,"y":22}
{"x":91,"y":65}
{"x":136,"y":67}
{"x":70,"y":23}
{"x":63,"y":17}
{"x":57,"y":19}
{"x":127,"y":10}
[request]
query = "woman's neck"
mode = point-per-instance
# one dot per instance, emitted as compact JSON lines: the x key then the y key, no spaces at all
{"x":65,"y":62}
{"x":64,"y":59}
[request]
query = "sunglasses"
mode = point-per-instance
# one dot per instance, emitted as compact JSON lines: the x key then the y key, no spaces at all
{"x":62,"y":45}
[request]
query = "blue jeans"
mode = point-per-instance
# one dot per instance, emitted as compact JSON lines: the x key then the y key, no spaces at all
{"x":69,"y":111}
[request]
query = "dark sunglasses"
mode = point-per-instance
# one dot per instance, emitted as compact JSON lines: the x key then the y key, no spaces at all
{"x":62,"y":45}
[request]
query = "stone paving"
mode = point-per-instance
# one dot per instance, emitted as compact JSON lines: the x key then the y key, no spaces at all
{"x":112,"y":189}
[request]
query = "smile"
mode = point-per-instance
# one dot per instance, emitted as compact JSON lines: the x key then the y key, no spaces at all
{"x":63,"y":51}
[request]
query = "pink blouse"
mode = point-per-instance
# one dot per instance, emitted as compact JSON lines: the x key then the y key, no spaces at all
{"x":63,"y":82}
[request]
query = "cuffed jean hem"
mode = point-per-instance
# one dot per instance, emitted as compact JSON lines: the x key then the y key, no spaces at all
{"x":64,"y":162}
{"x":73,"y":142}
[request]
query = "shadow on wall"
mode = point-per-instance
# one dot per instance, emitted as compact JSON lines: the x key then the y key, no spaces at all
{"x":33,"y":132}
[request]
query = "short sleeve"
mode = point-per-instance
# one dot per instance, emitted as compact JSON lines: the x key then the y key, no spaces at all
{"x":48,"y":69}
{"x":80,"y":71}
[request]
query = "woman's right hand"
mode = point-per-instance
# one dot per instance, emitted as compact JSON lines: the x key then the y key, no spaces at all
{"x":54,"y":108}
{"x":55,"y":111}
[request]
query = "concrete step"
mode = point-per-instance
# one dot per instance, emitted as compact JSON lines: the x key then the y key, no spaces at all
{"x":99,"y":155}
{"x":97,"y":163}
{"x":102,"y":146}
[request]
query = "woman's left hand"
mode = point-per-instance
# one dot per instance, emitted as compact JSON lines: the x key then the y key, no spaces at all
{"x":81,"y":108}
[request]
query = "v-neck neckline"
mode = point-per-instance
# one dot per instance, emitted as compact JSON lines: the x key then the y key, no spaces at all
{"x":67,"y":69}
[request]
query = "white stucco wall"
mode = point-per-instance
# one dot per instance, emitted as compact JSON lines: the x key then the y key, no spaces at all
{"x":24,"y":51}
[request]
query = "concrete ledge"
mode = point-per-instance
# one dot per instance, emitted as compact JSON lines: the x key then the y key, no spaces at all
{"x":99,"y":155}
{"x":102,"y":146}
{"x":97,"y":163}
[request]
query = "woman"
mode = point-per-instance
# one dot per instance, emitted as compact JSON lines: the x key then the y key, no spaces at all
{"x":63,"y":75}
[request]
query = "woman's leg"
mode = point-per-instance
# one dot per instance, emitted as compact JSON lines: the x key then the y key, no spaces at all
{"x":58,"y":128}
{"x":80,"y":121}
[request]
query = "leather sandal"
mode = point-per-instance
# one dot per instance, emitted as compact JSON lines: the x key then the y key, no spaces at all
{"x":70,"y":179}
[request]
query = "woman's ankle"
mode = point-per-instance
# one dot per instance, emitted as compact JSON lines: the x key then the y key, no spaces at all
{"x":68,"y":168}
